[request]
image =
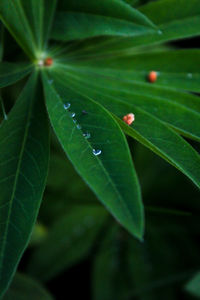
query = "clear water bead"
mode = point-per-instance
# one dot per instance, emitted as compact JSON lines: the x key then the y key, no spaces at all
{"x":73,"y":114}
{"x":87,"y":135}
{"x":96,"y":152}
{"x":78,"y":126}
{"x":66,"y":105}
{"x":75,"y":121}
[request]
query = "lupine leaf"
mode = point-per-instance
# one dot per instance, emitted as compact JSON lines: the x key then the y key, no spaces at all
{"x":72,"y":25}
{"x":11,"y":73}
{"x":148,"y":129}
{"x":24,"y":143}
{"x":110,"y":173}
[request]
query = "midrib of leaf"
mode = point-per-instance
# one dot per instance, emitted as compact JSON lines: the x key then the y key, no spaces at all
{"x":15,"y":182}
{"x":153,"y":147}
{"x":123,"y":204}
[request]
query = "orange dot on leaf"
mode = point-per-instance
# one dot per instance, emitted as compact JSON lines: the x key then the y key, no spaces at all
{"x":129,"y":118}
{"x":152,"y":76}
{"x":48,"y":61}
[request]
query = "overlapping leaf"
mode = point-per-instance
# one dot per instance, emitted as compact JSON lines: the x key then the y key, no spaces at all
{"x":113,"y":8}
{"x":147,"y":128}
{"x":176,"y":20}
{"x":29,"y":22}
{"x":70,"y":240}
{"x":72,"y":26}
{"x":97,"y":147}
{"x":24,"y":153}
{"x":11,"y":73}
{"x":24,"y":287}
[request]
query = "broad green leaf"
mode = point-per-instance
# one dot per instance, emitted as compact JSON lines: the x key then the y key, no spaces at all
{"x":11,"y":73}
{"x":147,"y":128}
{"x":113,"y":8}
{"x":72,"y":25}
{"x":178,"y":109}
{"x":193,"y":286}
{"x":175,"y":69}
{"x":69,"y":240}
{"x":101,"y":157}
{"x":24,"y":144}
{"x":24,"y":287}
{"x":176,"y":20}
{"x":29,"y":22}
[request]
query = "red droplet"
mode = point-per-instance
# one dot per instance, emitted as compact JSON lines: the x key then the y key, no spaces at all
{"x":129,"y":118}
{"x":48,"y":61}
{"x":152,"y":76}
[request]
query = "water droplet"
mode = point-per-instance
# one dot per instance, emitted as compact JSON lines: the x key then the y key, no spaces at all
{"x":96,"y":152}
{"x":87,"y":135}
{"x":78,"y":126}
{"x":50,"y":81}
{"x":73,"y":114}
{"x":160,"y":32}
{"x":66,"y":105}
{"x":75,"y":121}
{"x":189,"y":75}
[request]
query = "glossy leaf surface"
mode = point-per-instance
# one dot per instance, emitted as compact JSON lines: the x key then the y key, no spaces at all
{"x":11,"y":73}
{"x":71,"y":26}
{"x":24,"y":143}
{"x":147,"y":129}
{"x":97,"y":147}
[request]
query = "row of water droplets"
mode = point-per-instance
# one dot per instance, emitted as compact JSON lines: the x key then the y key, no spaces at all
{"x":78,"y":126}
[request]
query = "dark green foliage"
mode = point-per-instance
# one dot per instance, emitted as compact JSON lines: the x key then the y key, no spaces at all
{"x":80,"y":67}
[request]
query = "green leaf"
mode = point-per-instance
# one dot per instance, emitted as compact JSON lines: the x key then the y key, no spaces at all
{"x":147,"y":129}
{"x":176,"y":20}
{"x":193,"y":286}
{"x":111,"y":174}
{"x":11,"y":73}
{"x":72,"y":25}
{"x":24,"y":142}
{"x":113,"y":8}
{"x":69,"y":240}
{"x":175,"y":69}
{"x":23,"y":288}
{"x":29,"y":22}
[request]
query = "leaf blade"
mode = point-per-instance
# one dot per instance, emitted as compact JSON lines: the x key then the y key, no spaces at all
{"x":17,"y":214}
{"x":80,"y":151}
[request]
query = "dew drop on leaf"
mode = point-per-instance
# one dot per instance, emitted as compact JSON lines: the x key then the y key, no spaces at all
{"x":96,"y":152}
{"x":73,"y":114}
{"x":66,"y":105}
{"x":87,"y":135}
{"x":78,"y":126}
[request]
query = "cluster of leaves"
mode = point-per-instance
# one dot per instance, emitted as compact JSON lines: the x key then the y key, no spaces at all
{"x":102,"y":52}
